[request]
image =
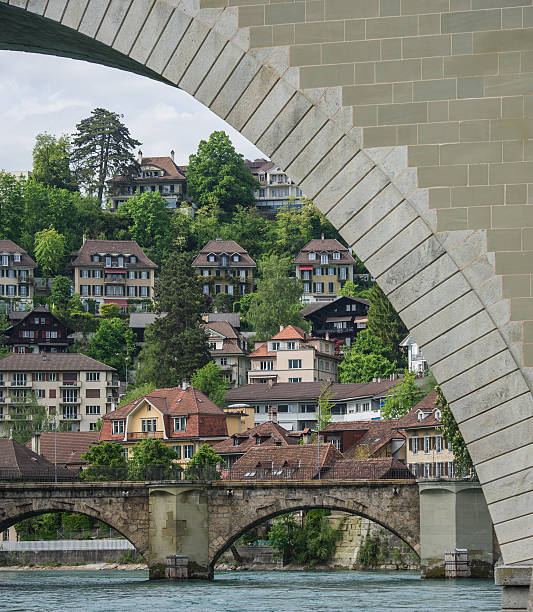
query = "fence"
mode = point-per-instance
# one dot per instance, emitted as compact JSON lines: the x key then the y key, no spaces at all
{"x":66,"y":545}
{"x":370,"y":471}
{"x":95,"y":473}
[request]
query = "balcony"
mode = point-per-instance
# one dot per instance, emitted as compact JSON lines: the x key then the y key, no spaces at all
{"x":67,"y":384}
{"x":112,"y":383}
{"x":141,"y":435}
{"x":70,"y":416}
{"x":115,"y":281}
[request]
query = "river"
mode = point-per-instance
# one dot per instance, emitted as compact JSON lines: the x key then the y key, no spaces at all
{"x":277,"y":591}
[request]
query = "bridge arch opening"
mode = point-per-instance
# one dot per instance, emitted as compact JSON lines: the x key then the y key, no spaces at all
{"x":242,"y":530}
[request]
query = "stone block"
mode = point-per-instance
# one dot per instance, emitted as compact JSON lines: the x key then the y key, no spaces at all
{"x":350,"y":9}
{"x":514,"y":263}
{"x":471,"y":21}
{"x":392,"y":27}
{"x":72,"y":15}
{"x":397,"y":114}
{"x":186,"y":50}
{"x":512,"y":216}
{"x":443,"y":176}
{"x":503,"y":41}
{"x":92,"y":18}
{"x":366,"y":94}
{"x":221,"y":70}
{"x":441,"y":89}
{"x":327,"y":76}
{"x":427,"y":46}
{"x":474,"y":130}
{"x":114,"y":16}
{"x":315,"y":32}
{"x":305,"y":55}
{"x":476,"y":195}
{"x":55,"y":9}
{"x":168,"y":40}
{"x":285,"y":12}
{"x":471,"y":65}
{"x":499,"y":467}
{"x":151,"y":31}
{"x":398,"y":70}
{"x":203,"y":62}
{"x":438,"y":132}
{"x":488,"y":108}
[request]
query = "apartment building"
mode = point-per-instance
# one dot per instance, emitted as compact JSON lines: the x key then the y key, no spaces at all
{"x":323,"y":266}
{"x":295,"y":405}
{"x":156,"y":174}
{"x":276,"y":188}
{"x":37,"y":331}
{"x":228,"y":350}
{"x":16,"y":276}
{"x":113,"y":271}
{"x":429,"y":455}
{"x":293,"y":356}
{"x":182,"y":418}
{"x":225,"y":267}
{"x":75,"y":389}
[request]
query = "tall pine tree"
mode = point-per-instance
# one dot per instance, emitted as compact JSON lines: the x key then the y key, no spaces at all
{"x":176,"y":344}
{"x":384,"y":323}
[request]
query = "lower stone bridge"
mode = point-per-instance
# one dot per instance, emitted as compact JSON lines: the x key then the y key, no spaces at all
{"x":200,"y":520}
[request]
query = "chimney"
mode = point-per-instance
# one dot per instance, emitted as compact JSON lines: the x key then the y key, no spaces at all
{"x":36,"y":443}
{"x":84,"y":238}
{"x":139,"y":156}
{"x":322,"y":237}
{"x":281,"y":328}
{"x":185,"y":385}
{"x":327,"y":335}
{"x":172,"y":154}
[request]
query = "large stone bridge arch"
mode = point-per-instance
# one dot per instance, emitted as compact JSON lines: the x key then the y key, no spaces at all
{"x":408,"y":122}
{"x":235,"y":508}
{"x":123,"y":507}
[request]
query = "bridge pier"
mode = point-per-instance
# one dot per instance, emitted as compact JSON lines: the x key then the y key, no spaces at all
{"x":517,"y":583}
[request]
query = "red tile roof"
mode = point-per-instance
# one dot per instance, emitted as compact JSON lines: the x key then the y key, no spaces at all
{"x":382,"y":468}
{"x":103,"y":247}
{"x":426,"y":406}
{"x":376,"y":434}
{"x":291,"y":332}
{"x":221,"y":327}
{"x":328,"y":245}
{"x":66,"y":447}
{"x":8,"y":246}
{"x":16,"y":460}
{"x":219,"y":247}
{"x":266,"y":434}
{"x":172,"y":171}
{"x":204,"y":418}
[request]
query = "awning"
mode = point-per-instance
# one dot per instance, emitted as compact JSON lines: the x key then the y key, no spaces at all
{"x":337,"y":319}
{"x":306,"y":267}
{"x":117,"y":302}
{"x":115,"y":270}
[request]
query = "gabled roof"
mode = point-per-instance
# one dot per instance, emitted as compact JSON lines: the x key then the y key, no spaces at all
{"x":120,"y":247}
{"x":267,"y":434}
{"x":233,"y":318}
{"x":37,"y":311}
{"x":8,"y":246}
{"x":304,"y":456}
{"x":219,"y":247}
{"x":329,"y":245}
{"x":223,"y":328}
{"x":317,"y":306}
{"x":376,"y":434}
{"x":52,"y":362}
{"x":263,"y":392}
{"x":229,"y":347}
{"x":172,"y":171}
{"x":381,"y":468}
{"x":16,"y":461}
{"x":66,"y":447}
{"x":291,"y":332}
{"x":426,"y":406}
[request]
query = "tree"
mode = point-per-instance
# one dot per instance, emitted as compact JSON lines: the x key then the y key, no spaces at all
{"x":28,"y":418}
{"x":152,"y":459}
{"x":101,"y":148}
{"x":105,"y":461}
{"x":203,"y":466}
{"x":135,"y":392}
{"x":11,"y":206}
{"x":324,"y":407}
{"x":367,"y":358}
{"x":175,"y":344}
{"x":148,"y":223}
{"x":384,"y":323}
{"x":113,"y":343}
{"x":277,"y":300}
{"x":216,"y":174}
{"x":49,"y":249}
{"x":61,"y":294}
{"x":222,"y":302}
{"x":109,"y":310}
{"x":402,"y":398}
{"x":209,"y":380}
{"x":464,"y":466}
{"x":51,"y":161}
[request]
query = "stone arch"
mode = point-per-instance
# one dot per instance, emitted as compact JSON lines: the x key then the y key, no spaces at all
{"x":29,"y":510}
{"x":443,"y":278}
{"x":241,"y":530}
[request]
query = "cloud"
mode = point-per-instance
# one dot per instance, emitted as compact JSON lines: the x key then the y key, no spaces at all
{"x":51,"y":94}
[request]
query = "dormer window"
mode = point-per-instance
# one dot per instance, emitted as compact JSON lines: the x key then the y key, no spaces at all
{"x":437,"y":415}
{"x":420,"y":415}
{"x":133,"y":259}
{"x":236,"y":257}
{"x":312,"y":255}
{"x":16,"y":257}
{"x":336,"y":255}
{"x":211,"y":257}
{"x":96,"y":258}
{"x":5,"y":260}
{"x":121,"y":261}
{"x":224,"y":260}
{"x":108,"y":260}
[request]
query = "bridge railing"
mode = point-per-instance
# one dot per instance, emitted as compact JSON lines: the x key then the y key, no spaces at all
{"x":335,"y":472}
{"x":98,"y":473}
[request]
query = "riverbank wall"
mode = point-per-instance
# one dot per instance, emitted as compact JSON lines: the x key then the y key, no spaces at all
{"x":67,"y":552}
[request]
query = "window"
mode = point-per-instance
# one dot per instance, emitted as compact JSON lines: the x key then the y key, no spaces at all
{"x":52,"y":376}
{"x":180,"y":423}
{"x":38,"y":377}
{"x":84,"y":290}
{"x":132,"y":274}
{"x":427,"y":470}
{"x":330,"y":288}
{"x":144,"y":291}
{"x":266,"y":365}
{"x":324,"y":259}
{"x":5,"y":260}
{"x":16,"y":257}
{"x":131,"y":291}
{"x":177,"y":450}
{"x":205,"y":272}
{"x":92,"y":409}
{"x":19,"y":379}
{"x":295,"y":364}
{"x":365,"y":406}
{"x":414,"y":445}
{"x":205,"y":289}
{"x":108,"y":260}
{"x":96,"y":258}
{"x":23,"y":290}
{"x":439,"y":469}
{"x":343,"y":273}
{"x":84,"y":273}
{"x":229,"y":289}
{"x":331,"y":271}
{"x":148,"y":425}
{"x":40,"y":393}
{"x":438,"y":444}
{"x":10,"y":289}
{"x":451,"y":469}
{"x":312,"y":256}
{"x":336,"y":255}
{"x":94,"y":427}
{"x":70,"y":412}
{"x":97,"y":289}
{"x":318,"y":287}
{"x":118,"y":427}
{"x":427,"y":445}
{"x":144,"y":274}
{"x":211,"y":257}
{"x":295,"y":380}
{"x":133,"y":259}
{"x":284,"y":408}
{"x":70,"y":396}
{"x":236,"y":257}
{"x":121,"y":262}
{"x":28,"y":333}
{"x":307,"y":287}
{"x":188,"y":451}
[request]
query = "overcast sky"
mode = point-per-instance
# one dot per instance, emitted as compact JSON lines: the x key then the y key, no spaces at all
{"x":40,"y":93}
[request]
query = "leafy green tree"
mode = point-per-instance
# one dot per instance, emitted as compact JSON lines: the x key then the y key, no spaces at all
{"x":176,"y":344}
{"x":366,"y":359}
{"x":135,"y":392}
{"x":102,"y":147}
{"x":149,"y":223}
{"x":11,"y":206}
{"x":112,"y":344}
{"x":216,"y":174}
{"x":28,"y":418}
{"x":203,"y":466}
{"x":464,"y":466}
{"x":61,"y":294}
{"x":210,"y":381}
{"x":222,"y":302}
{"x":105,"y":461}
{"x":252,"y":230}
{"x":282,"y":537}
{"x":51,"y":161}
{"x":151,"y":459}
{"x":49,"y":249}
{"x":324,"y":407}
{"x":42,"y":527}
{"x":109,"y":310}
{"x":278,"y":299}
{"x":402,"y":398}
{"x":385,"y":323}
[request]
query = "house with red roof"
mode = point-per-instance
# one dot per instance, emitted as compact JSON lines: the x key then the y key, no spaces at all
{"x":64,"y":448}
{"x":225,"y":267}
{"x":156,"y":174}
{"x":324,"y":265}
{"x":293,"y":356}
{"x":181,"y":417}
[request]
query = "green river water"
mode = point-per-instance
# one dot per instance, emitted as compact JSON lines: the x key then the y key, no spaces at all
{"x":110,"y":591}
